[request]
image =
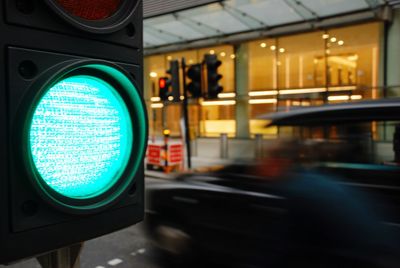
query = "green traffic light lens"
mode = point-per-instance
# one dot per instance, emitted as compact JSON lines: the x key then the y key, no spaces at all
{"x":80,"y":137}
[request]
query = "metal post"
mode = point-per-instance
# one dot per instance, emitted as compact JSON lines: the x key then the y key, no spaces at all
{"x":67,"y":257}
{"x":153,"y":138}
{"x":224,"y":146}
{"x":186,"y":115}
{"x":258,"y":146}
{"x":396,"y":144}
{"x":166,"y":153}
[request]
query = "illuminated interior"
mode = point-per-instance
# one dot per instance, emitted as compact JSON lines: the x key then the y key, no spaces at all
{"x":283,"y":73}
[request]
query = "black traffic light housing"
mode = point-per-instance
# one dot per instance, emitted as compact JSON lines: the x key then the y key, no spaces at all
{"x":396,"y":144}
{"x":164,"y":84}
{"x":195,"y":74}
{"x":213,"y":77}
{"x":43,"y":43}
{"x":169,"y":87}
{"x":175,"y":81}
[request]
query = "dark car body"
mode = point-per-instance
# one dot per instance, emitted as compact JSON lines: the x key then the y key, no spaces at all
{"x":335,"y":213}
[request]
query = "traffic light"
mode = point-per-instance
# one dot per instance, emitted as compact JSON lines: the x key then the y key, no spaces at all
{"x":73,"y":122}
{"x":164,"y":83}
{"x":195,"y":74}
{"x":213,"y":77}
{"x":175,"y":81}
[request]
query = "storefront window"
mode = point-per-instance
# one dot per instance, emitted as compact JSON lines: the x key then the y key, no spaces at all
{"x":226,"y":55}
{"x":217,"y":119}
{"x":353,"y":61}
{"x":301,"y":62}
{"x":284,"y":73}
{"x":154,"y":67}
{"x":263,"y":65}
{"x":191,"y":57}
{"x":206,"y":120}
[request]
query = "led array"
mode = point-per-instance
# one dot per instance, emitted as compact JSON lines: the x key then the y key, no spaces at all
{"x":80,"y":136}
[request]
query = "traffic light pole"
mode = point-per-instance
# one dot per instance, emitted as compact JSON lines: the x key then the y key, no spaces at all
{"x":67,"y":257}
{"x":186,"y":114}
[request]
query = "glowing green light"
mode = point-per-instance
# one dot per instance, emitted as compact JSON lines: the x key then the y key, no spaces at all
{"x":80,"y":137}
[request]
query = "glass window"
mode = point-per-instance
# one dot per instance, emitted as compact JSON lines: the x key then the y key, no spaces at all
{"x":190,"y":56}
{"x":353,"y":60}
{"x":156,"y":68}
{"x":263,"y":65}
{"x":301,"y":61}
{"x":217,"y":119}
{"x":308,"y":69}
{"x":226,"y":55}
{"x":204,"y":120}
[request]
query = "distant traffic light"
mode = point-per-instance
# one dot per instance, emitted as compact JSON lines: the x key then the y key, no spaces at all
{"x":195,"y":74}
{"x":175,"y":81}
{"x":213,"y":77}
{"x":73,"y":123}
{"x":169,"y":87}
{"x":164,"y":83}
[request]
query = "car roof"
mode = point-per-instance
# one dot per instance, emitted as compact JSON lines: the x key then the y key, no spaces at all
{"x":363,"y":111}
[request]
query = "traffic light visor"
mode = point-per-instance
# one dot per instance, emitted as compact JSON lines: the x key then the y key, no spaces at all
{"x":80,"y":136}
{"x":90,"y":9}
{"x":96,"y":16}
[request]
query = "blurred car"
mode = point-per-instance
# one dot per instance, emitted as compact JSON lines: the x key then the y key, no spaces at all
{"x":329,"y":196}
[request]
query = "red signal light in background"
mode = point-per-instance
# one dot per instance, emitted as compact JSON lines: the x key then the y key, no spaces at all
{"x":162,"y":83}
{"x":91,"y":9}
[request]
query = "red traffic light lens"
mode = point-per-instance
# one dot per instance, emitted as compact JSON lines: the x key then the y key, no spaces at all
{"x":162,"y":83}
{"x":91,"y":9}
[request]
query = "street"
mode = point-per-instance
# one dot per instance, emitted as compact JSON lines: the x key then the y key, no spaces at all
{"x":126,"y":248}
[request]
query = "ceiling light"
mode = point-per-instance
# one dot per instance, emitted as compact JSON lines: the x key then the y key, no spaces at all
{"x":301,"y":91}
{"x":263,"y":101}
{"x":356,"y":97}
{"x":226,"y":95}
{"x":157,"y":105}
{"x":155,"y":99}
{"x":338,"y":98}
{"x":218,"y":103}
{"x":263,"y":93}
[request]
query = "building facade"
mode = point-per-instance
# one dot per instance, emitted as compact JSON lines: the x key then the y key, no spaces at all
{"x":346,"y":61}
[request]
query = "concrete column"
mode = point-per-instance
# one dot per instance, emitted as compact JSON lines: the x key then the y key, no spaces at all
{"x":393,"y":55}
{"x":242,"y":89}
{"x":147,"y":87}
